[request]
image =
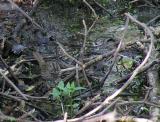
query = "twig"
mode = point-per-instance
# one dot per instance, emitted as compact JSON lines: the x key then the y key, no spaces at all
{"x":138,"y":102}
{"x":77,"y":78}
{"x":115,"y":54}
{"x":36,"y":97}
{"x":71,"y":57}
{"x":27,"y":114}
{"x":69,"y":77}
{"x":105,"y":110}
{"x":13,"y":85}
{"x":100,"y":57}
{"x":3,"y":85}
{"x":77,"y":75}
{"x":10,"y":70}
{"x":91,"y":62}
{"x":21,"y":24}
{"x":109,"y":106}
{"x":26,"y":15}
{"x":88,"y":104}
{"x":27,"y":60}
{"x":27,"y":103}
{"x":95,"y":15}
{"x":62,"y":107}
{"x":65,"y":117}
{"x":94,"y":22}
{"x":153,"y":78}
{"x":103,"y":8}
{"x":6,"y":118}
{"x":82,"y":54}
{"x":88,"y":83}
{"x":147,"y":94}
{"x":153,"y":20}
{"x":135,"y":72}
{"x":85,"y":39}
{"x":146,"y":67}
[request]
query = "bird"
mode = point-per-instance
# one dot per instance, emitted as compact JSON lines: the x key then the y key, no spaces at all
{"x":10,"y":48}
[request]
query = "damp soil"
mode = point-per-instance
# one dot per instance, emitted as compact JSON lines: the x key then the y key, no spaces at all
{"x":63,"y":21}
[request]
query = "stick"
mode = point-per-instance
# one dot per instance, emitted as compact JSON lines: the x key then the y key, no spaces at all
{"x":13,"y":85}
{"x":26,"y":15}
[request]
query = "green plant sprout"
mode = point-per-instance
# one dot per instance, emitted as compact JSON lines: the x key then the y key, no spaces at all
{"x":64,"y":94}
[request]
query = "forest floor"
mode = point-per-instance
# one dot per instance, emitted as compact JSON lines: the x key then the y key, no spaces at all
{"x":78,"y":62}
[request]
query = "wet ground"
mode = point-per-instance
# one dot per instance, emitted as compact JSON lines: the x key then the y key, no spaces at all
{"x":64,"y":23}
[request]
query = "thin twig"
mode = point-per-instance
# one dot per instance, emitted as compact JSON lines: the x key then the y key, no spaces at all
{"x":101,"y":57}
{"x":95,"y":15}
{"x":85,"y":39}
{"x":13,"y":85}
{"x":86,"y":78}
{"x":27,"y":114}
{"x":103,"y":8}
{"x":88,"y":104}
{"x":26,"y":15}
{"x":115,"y":54}
{"x":105,"y":110}
{"x":135,"y":72}
{"x":146,"y":67}
{"x":77,"y":75}
{"x":10,"y":70}
{"x":93,"y":24}
{"x":27,"y":103}
{"x":21,"y":24}
{"x":138,"y":102}
{"x":71,"y":57}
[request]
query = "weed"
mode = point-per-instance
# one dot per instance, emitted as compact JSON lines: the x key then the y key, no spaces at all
{"x":63,"y":94}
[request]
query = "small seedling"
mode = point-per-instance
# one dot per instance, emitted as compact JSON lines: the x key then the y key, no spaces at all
{"x":63,"y":94}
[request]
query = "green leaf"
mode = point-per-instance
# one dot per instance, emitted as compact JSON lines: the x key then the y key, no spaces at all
{"x":75,"y":105}
{"x":30,"y":88}
{"x":80,"y":88}
{"x":144,"y":109}
{"x":127,"y":62}
{"x":56,"y":93}
{"x":12,"y":119}
{"x":68,"y":86}
{"x":66,"y":92}
{"x":73,"y":85}
{"x":61,"y":85}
